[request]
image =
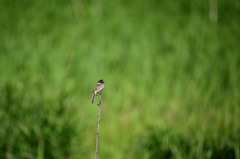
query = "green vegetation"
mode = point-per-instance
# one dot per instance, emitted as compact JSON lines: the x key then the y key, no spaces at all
{"x":169,"y":144}
{"x":33,"y":126}
{"x":171,"y":77}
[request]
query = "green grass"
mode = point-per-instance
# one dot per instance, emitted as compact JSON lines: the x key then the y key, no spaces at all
{"x":194,"y":144}
{"x":165,"y":66}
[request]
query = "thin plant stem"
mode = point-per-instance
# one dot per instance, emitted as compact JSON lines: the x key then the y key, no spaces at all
{"x":99,"y":113}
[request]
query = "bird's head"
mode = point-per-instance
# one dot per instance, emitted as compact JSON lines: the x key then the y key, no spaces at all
{"x":101,"y":81}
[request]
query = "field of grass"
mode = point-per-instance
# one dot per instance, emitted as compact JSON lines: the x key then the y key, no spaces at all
{"x":172,"y":79}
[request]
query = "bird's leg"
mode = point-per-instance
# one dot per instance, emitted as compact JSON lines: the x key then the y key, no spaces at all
{"x":99,"y":97}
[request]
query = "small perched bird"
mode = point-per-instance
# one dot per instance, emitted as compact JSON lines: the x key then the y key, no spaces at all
{"x":98,"y":89}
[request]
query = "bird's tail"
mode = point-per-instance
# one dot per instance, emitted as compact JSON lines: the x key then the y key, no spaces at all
{"x":93,"y":97}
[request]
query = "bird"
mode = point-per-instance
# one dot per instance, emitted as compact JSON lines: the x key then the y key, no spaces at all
{"x":98,"y":89}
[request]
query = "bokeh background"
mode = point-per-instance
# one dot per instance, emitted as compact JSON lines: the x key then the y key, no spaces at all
{"x":171,"y":72}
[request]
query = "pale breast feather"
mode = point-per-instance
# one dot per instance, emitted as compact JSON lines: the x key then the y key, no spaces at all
{"x":98,"y":88}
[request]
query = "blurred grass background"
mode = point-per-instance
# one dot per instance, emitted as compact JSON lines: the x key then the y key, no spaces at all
{"x":172,"y":79}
